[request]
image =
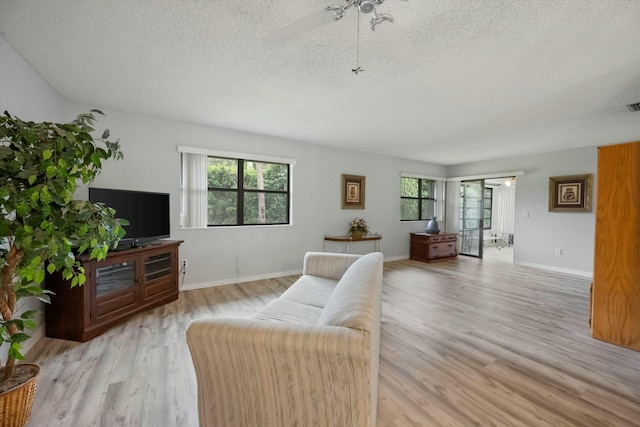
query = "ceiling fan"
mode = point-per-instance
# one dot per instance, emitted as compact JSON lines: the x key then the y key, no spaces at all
{"x":394,"y":41}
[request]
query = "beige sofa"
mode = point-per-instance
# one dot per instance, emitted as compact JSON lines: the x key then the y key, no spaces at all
{"x":309,"y":358}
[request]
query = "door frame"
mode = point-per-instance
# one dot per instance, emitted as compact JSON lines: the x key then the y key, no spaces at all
{"x":468,"y":234}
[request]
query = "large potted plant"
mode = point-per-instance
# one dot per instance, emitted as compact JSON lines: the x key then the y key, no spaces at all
{"x":42,"y":229}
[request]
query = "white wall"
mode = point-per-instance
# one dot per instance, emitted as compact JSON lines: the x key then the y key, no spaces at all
{"x":152,"y":163}
{"x":541,"y":232}
{"x":23,"y":93}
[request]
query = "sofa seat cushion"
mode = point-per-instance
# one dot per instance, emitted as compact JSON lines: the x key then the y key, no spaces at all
{"x":354,"y":302}
{"x":290,"y":311}
{"x":310,"y":290}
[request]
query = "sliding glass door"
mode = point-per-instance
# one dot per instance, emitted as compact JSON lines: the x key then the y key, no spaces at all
{"x":471,"y":217}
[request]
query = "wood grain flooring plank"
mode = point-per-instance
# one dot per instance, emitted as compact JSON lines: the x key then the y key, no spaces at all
{"x":464,"y":342}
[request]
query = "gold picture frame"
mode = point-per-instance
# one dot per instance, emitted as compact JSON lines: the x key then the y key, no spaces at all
{"x":353,"y":191}
{"x":570,"y":193}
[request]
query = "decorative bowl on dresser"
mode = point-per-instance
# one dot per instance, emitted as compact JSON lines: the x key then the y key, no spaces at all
{"x":433,"y":247}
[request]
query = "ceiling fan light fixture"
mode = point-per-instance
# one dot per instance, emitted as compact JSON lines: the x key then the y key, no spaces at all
{"x":634,"y":107}
{"x":338,"y":11}
{"x":367,"y":6}
{"x":378,"y":18}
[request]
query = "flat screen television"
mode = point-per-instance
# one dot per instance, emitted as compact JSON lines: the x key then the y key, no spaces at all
{"x":147,"y":213}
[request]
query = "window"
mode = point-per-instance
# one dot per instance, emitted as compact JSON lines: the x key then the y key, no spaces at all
{"x":245,"y":192}
{"x":488,"y":199}
{"x":233,"y":191}
{"x":417,"y":199}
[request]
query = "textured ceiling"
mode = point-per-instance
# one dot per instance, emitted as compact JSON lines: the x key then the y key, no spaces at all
{"x":490,"y":79}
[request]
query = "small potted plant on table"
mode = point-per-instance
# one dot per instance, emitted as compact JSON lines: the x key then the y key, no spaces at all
{"x":358,"y":228}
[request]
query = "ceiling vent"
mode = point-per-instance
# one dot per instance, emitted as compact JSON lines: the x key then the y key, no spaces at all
{"x":634,"y":107}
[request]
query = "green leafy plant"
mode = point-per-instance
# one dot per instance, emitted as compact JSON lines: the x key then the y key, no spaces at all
{"x":41,"y":228}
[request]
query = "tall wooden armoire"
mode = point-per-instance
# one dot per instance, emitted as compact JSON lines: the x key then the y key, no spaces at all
{"x":615,"y":297}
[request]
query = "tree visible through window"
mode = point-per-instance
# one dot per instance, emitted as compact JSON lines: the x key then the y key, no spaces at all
{"x":246,"y":192}
{"x":417,"y":199}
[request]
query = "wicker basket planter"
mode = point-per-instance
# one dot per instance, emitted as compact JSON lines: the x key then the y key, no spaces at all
{"x":16,"y":403}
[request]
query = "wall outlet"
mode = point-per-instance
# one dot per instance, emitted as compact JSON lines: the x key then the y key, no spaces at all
{"x":185,"y":263}
{"x":558,"y":251}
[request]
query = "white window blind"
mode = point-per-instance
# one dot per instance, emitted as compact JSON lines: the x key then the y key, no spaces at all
{"x":194,"y":190}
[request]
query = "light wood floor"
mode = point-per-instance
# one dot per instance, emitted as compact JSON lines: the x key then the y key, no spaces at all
{"x":465,"y":342}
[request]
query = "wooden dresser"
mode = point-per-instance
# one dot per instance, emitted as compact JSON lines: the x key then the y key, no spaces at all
{"x":433,"y":247}
{"x":615,"y":297}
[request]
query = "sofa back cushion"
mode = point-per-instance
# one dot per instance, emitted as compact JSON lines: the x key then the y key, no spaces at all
{"x":327,"y":265}
{"x":355,"y":302}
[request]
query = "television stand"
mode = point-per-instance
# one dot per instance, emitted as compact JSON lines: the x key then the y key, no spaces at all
{"x":128,"y":247}
{"x":127,"y":282}
{"x":146,"y":244}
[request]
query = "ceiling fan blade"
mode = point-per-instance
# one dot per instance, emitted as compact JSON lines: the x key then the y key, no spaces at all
{"x":305,"y":25}
{"x":397,"y":45}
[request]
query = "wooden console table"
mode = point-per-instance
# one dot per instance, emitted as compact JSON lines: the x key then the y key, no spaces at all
{"x":433,"y":247}
{"x":375,"y":238}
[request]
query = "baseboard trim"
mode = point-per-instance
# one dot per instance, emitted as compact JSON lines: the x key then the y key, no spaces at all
{"x":35,"y":337}
{"x":203,"y":285}
{"x":396,"y":258}
{"x":572,"y":271}
{"x":223,"y":282}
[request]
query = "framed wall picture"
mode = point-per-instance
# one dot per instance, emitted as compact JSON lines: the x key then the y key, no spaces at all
{"x":570,"y":193}
{"x":353,"y":191}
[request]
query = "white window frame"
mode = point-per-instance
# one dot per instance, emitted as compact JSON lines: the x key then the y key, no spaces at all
{"x":193,"y":184}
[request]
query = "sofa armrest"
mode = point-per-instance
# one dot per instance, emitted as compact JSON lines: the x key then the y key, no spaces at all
{"x":252,"y":372}
{"x":328,"y":265}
